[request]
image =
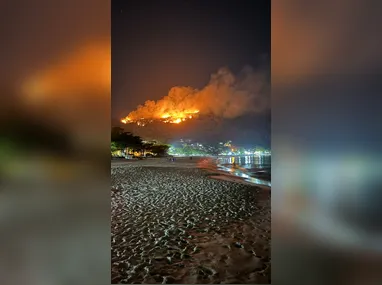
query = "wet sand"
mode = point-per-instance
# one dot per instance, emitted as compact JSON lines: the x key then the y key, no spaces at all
{"x":172,"y":223}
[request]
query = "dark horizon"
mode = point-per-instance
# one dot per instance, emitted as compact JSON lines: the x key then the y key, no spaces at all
{"x":157,"y":46}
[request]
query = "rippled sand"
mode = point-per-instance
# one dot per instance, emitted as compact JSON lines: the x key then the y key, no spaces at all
{"x":177,"y":225}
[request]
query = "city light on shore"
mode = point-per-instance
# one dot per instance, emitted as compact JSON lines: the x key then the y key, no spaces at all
{"x":190,"y":148}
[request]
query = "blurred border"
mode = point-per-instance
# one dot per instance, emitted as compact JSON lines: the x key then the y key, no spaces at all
{"x":55,"y":139}
{"x":326,"y":64}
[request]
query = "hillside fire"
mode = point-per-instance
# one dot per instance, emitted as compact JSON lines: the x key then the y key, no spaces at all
{"x":225,"y":96}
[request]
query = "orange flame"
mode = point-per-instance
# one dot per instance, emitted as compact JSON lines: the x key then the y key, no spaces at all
{"x":225,"y":96}
{"x":172,"y":117}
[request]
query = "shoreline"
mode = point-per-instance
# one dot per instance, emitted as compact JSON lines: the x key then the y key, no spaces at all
{"x":205,"y":163}
{"x":218,"y":173}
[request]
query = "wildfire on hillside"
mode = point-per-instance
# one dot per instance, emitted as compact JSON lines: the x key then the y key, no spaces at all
{"x":225,"y":96}
{"x":172,"y":117}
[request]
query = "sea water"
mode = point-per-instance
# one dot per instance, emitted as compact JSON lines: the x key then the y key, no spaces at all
{"x":255,"y":169}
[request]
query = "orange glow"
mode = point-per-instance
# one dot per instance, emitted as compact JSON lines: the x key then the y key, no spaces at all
{"x":126,"y":120}
{"x":71,"y":91}
{"x":86,"y":68}
{"x":172,"y":117}
{"x":225,"y":96}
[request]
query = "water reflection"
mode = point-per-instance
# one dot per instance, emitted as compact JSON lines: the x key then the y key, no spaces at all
{"x":248,"y":167}
{"x":249,"y":162}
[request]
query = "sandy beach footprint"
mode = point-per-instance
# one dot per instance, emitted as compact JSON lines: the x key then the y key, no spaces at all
{"x":224,"y":261}
{"x":169,"y":210}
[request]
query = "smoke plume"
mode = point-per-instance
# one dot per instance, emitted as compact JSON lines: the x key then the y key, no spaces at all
{"x":225,"y":96}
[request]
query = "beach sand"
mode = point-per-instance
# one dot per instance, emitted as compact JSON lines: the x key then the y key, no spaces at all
{"x":172,"y":223}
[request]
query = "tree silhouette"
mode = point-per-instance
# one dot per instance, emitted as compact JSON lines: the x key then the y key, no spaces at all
{"x":160,"y":149}
{"x":120,"y":140}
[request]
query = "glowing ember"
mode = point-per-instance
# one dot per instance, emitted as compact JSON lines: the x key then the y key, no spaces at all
{"x":172,"y":117}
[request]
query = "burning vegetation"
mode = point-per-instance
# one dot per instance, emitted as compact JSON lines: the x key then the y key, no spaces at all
{"x":172,"y":117}
{"x":225,"y":96}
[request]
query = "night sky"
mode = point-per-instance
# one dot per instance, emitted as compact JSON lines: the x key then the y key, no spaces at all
{"x":160,"y":44}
